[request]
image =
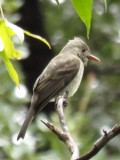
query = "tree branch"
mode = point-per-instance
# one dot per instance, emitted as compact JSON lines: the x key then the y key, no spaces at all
{"x":60,"y":134}
{"x":63,"y":135}
{"x":70,"y":143}
{"x":100,"y":143}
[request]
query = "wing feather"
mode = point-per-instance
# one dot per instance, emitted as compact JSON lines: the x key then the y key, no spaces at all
{"x":58,"y":74}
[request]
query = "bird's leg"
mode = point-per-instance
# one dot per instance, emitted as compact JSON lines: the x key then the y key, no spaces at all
{"x":65,"y":96}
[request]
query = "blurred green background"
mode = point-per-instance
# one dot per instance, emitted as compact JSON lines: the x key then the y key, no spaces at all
{"x":96,"y":105}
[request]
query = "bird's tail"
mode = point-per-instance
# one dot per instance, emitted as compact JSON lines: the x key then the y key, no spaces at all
{"x":26,"y":123}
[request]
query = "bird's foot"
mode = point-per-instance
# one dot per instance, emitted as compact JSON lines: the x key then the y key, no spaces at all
{"x":64,"y":99}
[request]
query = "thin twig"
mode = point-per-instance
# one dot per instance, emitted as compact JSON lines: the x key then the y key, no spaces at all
{"x":101,"y":142}
{"x":65,"y":136}
{"x":60,"y":134}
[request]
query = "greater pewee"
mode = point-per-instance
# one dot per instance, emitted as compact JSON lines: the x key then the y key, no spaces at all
{"x":63,"y":73}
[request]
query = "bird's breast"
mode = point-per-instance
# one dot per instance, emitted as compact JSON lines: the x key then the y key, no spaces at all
{"x":74,"y":84}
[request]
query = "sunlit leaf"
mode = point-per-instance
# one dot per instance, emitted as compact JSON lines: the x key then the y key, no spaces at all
{"x":7,"y":50}
{"x":37,"y":37}
{"x":1,"y":45}
{"x":17,"y":30}
{"x":5,"y":35}
{"x":12,"y":72}
{"x":84,"y":10}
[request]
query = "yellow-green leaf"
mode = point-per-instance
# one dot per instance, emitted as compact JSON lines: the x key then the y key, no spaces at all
{"x":5,"y":35}
{"x":17,"y":31}
{"x":84,"y":10}
{"x":7,"y":50}
{"x":37,"y":37}
{"x":12,"y":72}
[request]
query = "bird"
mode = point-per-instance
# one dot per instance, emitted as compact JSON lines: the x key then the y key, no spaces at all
{"x":62,"y":74}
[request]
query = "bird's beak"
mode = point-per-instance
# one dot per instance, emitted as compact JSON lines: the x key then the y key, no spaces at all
{"x":91,"y":57}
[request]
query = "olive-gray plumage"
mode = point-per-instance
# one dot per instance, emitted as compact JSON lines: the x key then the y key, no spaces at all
{"x":63,"y":73}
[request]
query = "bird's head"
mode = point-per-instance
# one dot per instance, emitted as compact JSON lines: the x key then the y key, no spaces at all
{"x":79,"y":48}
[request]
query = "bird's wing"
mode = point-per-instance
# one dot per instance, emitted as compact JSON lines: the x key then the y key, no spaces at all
{"x":56,"y":76}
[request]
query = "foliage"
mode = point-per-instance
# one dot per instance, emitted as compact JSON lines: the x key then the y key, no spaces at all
{"x":7,"y":50}
{"x":96,"y":105}
{"x":84,"y":10}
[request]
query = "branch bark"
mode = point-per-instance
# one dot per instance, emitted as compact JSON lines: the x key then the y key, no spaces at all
{"x":66,"y":137}
{"x":101,"y":142}
{"x":70,"y":143}
{"x":63,"y":135}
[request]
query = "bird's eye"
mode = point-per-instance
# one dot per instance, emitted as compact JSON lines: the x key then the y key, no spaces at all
{"x":83,"y":49}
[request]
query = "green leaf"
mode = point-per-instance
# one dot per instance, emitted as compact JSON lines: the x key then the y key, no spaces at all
{"x":84,"y":10}
{"x":37,"y":37}
{"x":5,"y":35}
{"x":12,"y":72}
{"x":7,"y":50}
{"x":15,"y":30}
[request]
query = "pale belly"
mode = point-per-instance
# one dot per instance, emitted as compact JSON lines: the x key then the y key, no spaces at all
{"x":73,"y":86}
